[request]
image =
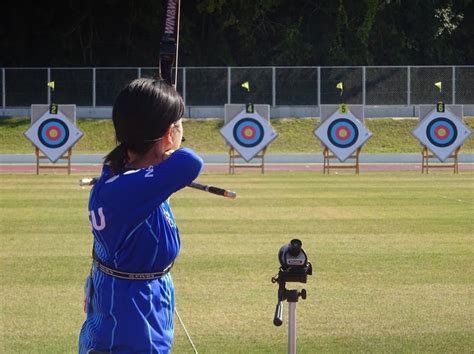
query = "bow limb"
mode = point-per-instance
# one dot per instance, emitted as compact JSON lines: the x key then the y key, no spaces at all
{"x":169,"y":43}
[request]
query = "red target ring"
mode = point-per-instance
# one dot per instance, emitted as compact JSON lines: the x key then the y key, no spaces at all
{"x":342,"y":133}
{"x":249,"y":132}
{"x":53,"y":133}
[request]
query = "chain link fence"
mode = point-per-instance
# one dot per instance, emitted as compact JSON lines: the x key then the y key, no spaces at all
{"x":276,"y":86}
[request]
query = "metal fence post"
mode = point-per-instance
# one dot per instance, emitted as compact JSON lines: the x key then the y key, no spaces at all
{"x":228,"y":84}
{"x":454,"y":85}
{"x":4,"y":95}
{"x":408,"y":85}
{"x":363,"y":85}
{"x":139,"y":72}
{"x":48,"y":71}
{"x":273,"y":86}
{"x":319,"y":86}
{"x":184,"y":85}
{"x":93,"y":87}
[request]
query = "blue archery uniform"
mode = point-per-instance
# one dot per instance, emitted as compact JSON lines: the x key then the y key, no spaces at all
{"x":135,"y":231}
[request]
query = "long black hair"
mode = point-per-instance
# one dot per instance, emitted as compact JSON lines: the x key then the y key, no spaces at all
{"x":142,"y":113}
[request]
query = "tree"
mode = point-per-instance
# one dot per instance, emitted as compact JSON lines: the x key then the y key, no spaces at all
{"x":237,"y":33}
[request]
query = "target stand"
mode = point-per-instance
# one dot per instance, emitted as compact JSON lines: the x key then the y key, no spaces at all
{"x":429,"y":160}
{"x":248,"y":133}
{"x":53,"y":132}
{"x":40,"y":156}
{"x":342,"y":134}
{"x":234,"y":154}
{"x":328,"y":156}
{"x":441,"y":132}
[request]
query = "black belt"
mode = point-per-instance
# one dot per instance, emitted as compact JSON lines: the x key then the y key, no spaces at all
{"x":129,"y":276}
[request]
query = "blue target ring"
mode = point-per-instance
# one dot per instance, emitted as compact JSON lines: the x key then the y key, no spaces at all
{"x":248,"y":132}
{"x":343,"y":133}
{"x":441,"y":132}
{"x":53,"y":133}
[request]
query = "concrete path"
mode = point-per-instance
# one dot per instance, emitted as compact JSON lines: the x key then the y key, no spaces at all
{"x":219,"y":163}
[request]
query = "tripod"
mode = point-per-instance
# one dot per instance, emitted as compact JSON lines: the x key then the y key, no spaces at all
{"x":294,"y":268}
{"x":292,"y":297}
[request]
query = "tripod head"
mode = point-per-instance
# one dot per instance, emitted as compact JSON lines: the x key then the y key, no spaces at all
{"x":294,"y":267}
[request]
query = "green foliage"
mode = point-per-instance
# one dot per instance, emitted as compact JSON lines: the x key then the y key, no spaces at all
{"x":391,"y":254}
{"x":238,"y":33}
{"x":295,"y":135}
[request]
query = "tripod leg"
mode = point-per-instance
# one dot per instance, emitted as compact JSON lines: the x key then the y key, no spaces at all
{"x":278,"y":319}
{"x":292,"y":328}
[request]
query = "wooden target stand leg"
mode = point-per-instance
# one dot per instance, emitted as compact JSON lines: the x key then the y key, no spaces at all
{"x":426,"y":155}
{"x":233,"y":154}
{"x":328,"y":156}
{"x":40,"y":156}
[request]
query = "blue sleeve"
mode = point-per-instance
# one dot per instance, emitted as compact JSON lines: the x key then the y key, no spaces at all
{"x":139,"y":192}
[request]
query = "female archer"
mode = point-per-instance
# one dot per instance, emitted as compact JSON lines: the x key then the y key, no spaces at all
{"x":130,"y":293}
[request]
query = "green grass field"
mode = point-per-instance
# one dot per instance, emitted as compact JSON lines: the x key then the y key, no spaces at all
{"x":294,"y":136}
{"x":393,"y":259}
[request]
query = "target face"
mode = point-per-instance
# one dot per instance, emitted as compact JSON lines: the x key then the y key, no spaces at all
{"x":342,"y":133}
{"x":248,"y":133}
{"x":441,"y":133}
{"x":53,"y":134}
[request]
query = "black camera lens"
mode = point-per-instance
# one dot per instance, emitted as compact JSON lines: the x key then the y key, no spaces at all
{"x":295,"y":247}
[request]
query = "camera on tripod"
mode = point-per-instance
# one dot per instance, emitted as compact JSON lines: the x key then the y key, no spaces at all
{"x":294,"y":267}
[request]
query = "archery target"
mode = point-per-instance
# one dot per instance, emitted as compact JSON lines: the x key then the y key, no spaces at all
{"x":342,"y":134}
{"x":441,"y":132}
{"x":53,"y":134}
{"x":248,"y":134}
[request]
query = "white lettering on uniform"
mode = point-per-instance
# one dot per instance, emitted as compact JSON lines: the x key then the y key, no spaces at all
{"x":168,"y":217}
{"x":149,"y":171}
{"x":93,"y":219}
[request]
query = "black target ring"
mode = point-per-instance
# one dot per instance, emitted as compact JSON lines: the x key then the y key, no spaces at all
{"x":53,"y":133}
{"x":441,"y":132}
{"x":248,"y":132}
{"x":348,"y":127}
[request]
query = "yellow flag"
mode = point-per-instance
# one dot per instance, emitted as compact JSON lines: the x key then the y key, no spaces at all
{"x":246,"y":85}
{"x":340,"y":86}
{"x":439,"y":84}
{"x":51,"y":84}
